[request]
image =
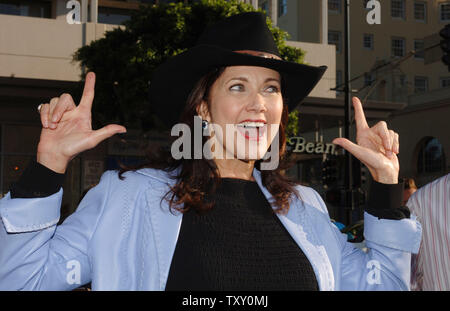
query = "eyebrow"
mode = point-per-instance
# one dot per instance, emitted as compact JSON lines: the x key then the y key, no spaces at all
{"x":246,"y":80}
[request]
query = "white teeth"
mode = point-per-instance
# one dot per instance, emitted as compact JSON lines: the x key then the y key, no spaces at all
{"x":251,"y":124}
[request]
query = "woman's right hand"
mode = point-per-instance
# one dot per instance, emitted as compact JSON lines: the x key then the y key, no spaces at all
{"x":67,"y":129}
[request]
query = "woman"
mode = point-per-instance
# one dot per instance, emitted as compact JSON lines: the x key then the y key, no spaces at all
{"x":186,"y":224}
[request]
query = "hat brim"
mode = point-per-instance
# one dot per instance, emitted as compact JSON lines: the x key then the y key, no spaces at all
{"x":174,"y":80}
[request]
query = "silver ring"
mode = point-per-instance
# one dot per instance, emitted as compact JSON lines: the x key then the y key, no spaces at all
{"x":39,"y":108}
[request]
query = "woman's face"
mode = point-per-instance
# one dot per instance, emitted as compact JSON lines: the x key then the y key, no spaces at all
{"x":245,"y":111}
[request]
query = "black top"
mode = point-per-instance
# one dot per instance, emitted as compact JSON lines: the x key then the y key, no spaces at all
{"x":238,"y":245}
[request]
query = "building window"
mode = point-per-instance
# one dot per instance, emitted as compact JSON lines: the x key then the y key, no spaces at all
{"x":368,"y":41}
{"x":282,"y":7}
{"x":113,"y":16}
{"x":444,"y":12}
{"x":431,"y":158}
{"x":398,"y":9}
{"x":420,"y":84}
{"x":419,"y":45}
{"x":334,"y":37}
{"x":398,"y":47}
{"x":41,"y":9}
{"x":368,"y":79}
{"x":402,"y":80}
{"x":444,"y":82}
{"x":265,"y":6}
{"x":161,"y":1}
{"x":420,"y":11}
{"x":334,"y":6}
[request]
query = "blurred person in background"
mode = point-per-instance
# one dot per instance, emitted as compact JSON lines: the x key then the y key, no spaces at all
{"x":410,"y":188}
{"x":430,"y":268}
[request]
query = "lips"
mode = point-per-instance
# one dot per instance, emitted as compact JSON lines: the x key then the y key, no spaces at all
{"x":252,"y":129}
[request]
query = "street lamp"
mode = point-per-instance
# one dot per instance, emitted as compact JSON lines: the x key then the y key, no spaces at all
{"x":349,"y":202}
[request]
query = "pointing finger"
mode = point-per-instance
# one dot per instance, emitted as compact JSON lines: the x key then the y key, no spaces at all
{"x":88,"y":91}
{"x":360,"y":118}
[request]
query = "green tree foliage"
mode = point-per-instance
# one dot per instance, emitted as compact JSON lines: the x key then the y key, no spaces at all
{"x":125,"y":58}
{"x":292,"y":126}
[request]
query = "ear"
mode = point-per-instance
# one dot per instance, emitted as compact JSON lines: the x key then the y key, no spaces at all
{"x":202,"y":111}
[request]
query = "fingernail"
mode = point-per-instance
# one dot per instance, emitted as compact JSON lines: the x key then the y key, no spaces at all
{"x":55,"y":117}
{"x":389,"y":154}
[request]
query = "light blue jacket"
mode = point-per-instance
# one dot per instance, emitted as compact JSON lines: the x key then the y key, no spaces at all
{"x":122,"y":237}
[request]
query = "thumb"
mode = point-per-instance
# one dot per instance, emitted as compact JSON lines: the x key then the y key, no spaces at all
{"x":353,"y":148}
{"x":105,"y":132}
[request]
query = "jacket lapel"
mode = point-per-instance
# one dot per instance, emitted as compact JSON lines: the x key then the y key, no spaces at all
{"x":298,"y":226}
{"x":165,"y":227}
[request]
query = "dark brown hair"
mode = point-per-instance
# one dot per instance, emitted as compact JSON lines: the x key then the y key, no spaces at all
{"x":199,"y":177}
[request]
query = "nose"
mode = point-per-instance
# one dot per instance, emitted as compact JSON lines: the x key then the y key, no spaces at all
{"x":257,"y":103}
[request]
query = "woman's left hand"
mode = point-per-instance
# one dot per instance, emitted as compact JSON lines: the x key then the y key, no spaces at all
{"x":377,"y":147}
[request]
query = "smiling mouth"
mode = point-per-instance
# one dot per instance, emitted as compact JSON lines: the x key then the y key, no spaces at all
{"x":252,"y":130}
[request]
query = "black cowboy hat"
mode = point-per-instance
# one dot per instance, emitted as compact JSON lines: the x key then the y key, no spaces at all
{"x":173,"y":81}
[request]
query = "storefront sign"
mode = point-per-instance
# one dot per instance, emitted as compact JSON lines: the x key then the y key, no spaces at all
{"x":301,"y":146}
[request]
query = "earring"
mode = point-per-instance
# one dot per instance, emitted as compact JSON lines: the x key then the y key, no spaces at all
{"x":204,"y":125}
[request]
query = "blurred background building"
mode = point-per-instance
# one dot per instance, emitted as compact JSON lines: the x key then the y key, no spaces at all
{"x":390,"y":66}
{"x":36,"y":48}
{"x":410,"y":91}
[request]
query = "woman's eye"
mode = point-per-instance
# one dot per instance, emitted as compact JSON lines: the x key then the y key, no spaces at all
{"x":273,"y":89}
{"x":237,"y":87}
